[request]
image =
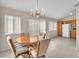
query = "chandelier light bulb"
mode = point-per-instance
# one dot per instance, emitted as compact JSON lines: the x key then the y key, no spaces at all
{"x":37,"y":12}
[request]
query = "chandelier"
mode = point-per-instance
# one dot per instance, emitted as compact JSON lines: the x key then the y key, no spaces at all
{"x":37,"y":12}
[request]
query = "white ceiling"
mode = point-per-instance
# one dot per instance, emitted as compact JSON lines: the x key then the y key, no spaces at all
{"x":54,"y":8}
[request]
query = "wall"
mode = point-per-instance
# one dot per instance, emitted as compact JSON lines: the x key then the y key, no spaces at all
{"x":59,"y":7}
{"x":77,"y":23}
{"x":69,"y":19}
{"x":3,"y":11}
{"x":24,"y":24}
{"x":51,"y":29}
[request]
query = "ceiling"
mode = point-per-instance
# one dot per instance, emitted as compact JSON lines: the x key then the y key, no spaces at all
{"x":54,"y":8}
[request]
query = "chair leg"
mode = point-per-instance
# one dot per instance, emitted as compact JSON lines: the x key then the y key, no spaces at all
{"x":16,"y":56}
{"x":43,"y":56}
{"x":23,"y":55}
{"x":29,"y":53}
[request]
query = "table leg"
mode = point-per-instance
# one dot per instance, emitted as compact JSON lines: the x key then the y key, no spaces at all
{"x":29,"y":51}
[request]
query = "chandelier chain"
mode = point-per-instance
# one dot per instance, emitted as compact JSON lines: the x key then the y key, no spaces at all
{"x":37,"y":4}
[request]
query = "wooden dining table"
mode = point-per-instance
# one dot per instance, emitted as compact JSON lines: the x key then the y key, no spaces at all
{"x":28,"y":41}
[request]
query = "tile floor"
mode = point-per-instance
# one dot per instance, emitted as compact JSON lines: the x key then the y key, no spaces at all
{"x":58,"y":48}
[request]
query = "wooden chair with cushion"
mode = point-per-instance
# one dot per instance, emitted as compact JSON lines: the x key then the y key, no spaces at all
{"x":41,"y":49}
{"x":18,"y":51}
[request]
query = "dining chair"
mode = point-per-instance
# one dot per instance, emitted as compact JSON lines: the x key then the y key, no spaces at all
{"x":41,"y":49}
{"x":19,"y":50}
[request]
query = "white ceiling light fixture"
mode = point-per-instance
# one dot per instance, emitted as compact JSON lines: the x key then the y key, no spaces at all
{"x":37,"y":12}
{"x":71,"y":13}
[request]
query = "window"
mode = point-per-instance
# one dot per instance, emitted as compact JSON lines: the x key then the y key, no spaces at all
{"x":12,"y":24}
{"x":17,"y":24}
{"x":52,"y":26}
{"x":55,"y":25}
{"x":33,"y":27}
{"x":37,"y":26}
{"x":8,"y":24}
{"x":42,"y":26}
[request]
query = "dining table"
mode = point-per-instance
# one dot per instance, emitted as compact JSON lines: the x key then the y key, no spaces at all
{"x":28,"y":41}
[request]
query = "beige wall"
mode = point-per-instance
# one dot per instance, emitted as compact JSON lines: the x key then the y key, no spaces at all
{"x":24,"y":24}
{"x":3,"y":11}
{"x":77,"y":23}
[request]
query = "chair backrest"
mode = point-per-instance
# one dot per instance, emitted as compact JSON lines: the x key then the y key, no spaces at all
{"x":43,"y":45}
{"x":11,"y":44}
